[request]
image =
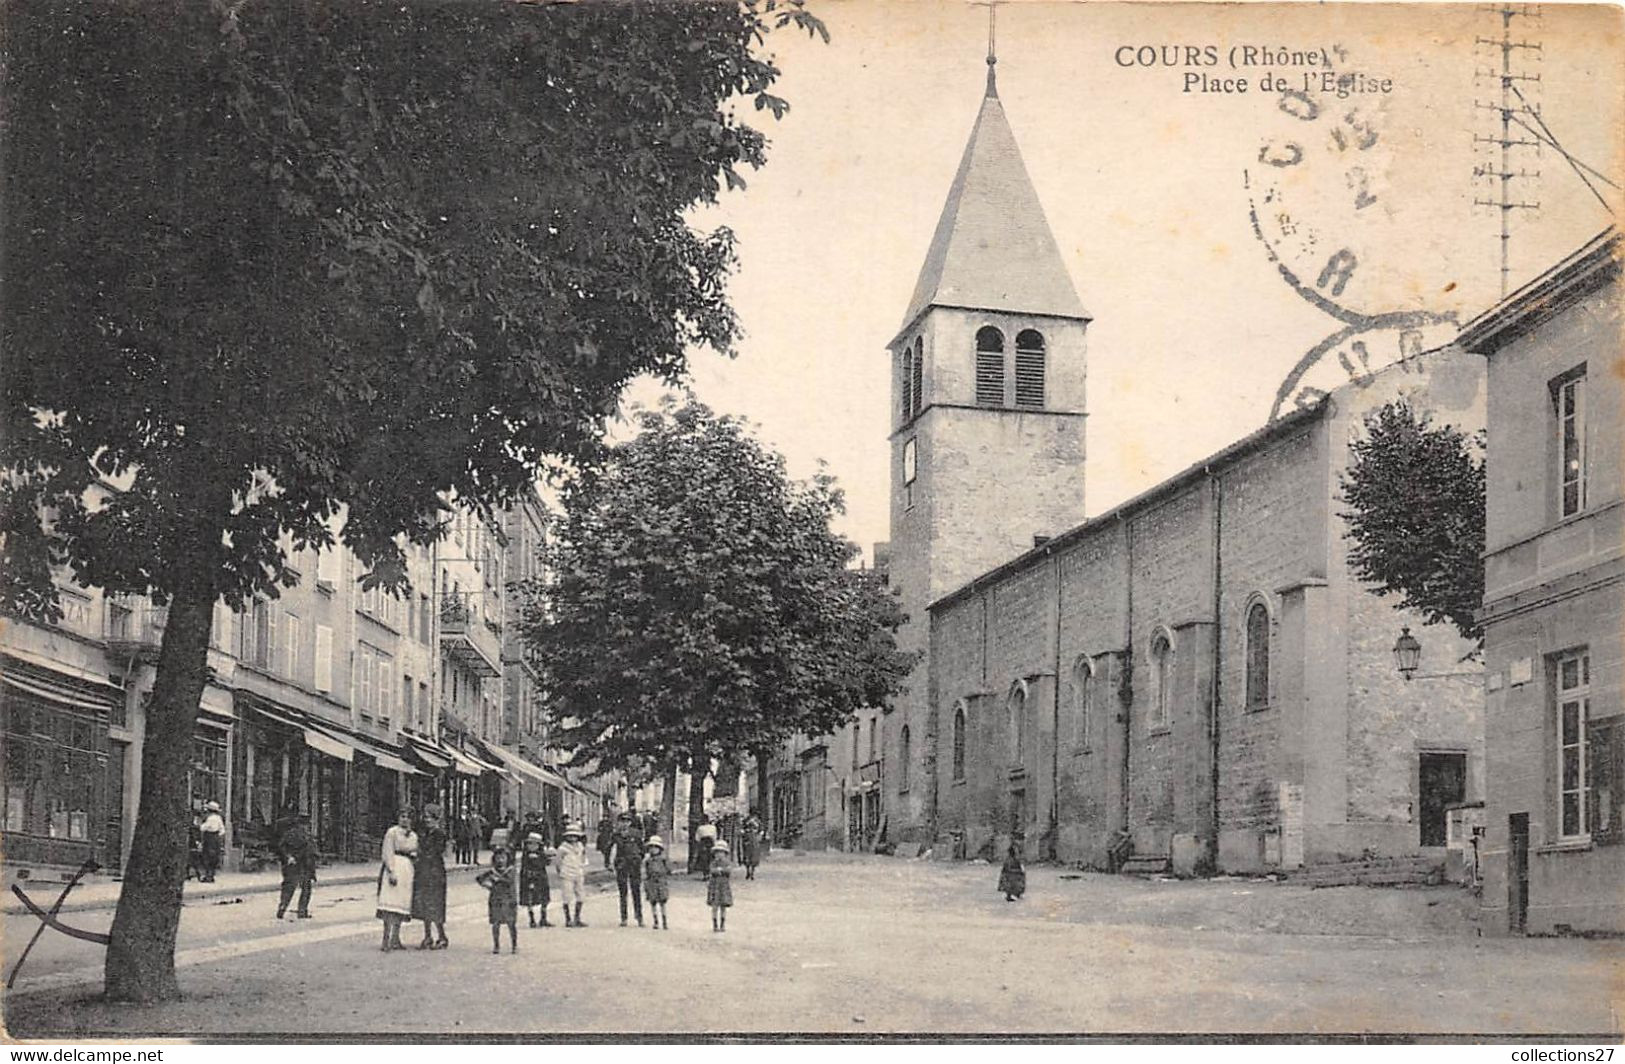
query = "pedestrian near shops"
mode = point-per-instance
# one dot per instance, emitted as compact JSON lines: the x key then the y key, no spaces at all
{"x":705,"y":837}
{"x":750,"y":846}
{"x":460,"y":832}
{"x":395,"y":879}
{"x":606,"y":839}
{"x":656,"y":881}
{"x":719,"y":891}
{"x":502,"y":906}
{"x":573,"y":873}
{"x":297,"y":851}
{"x":476,"y":835}
{"x":1012,"y":877}
{"x":213,"y":832}
{"x":429,"y":880}
{"x":194,"y":842}
{"x":534,"y":889}
{"x":628,"y":855}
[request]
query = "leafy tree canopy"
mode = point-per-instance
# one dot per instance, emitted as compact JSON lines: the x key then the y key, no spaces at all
{"x":1415,"y":493}
{"x":698,"y":600}
{"x":264,"y":261}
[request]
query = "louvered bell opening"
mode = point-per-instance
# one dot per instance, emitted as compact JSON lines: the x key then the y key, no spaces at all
{"x":990,"y":378}
{"x":918,"y":388}
{"x":1029,"y":378}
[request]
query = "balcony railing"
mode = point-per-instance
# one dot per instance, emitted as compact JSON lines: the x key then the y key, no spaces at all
{"x":471,"y":644}
{"x":135,"y":629}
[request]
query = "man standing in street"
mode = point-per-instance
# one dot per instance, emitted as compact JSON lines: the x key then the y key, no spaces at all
{"x":298,"y":853}
{"x":213,"y":830}
{"x":628,"y":849}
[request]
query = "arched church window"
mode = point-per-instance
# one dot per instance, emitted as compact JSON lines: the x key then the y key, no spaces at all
{"x":917,"y":381}
{"x":1082,"y":673}
{"x":1162,"y":677}
{"x":1258,"y":655}
{"x":959,"y":741}
{"x":989,"y":366}
{"x":1016,"y":722}
{"x":1030,"y":368}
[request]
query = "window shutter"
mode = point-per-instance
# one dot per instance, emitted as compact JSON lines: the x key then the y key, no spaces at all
{"x":327,"y":565}
{"x":267,"y":655}
{"x":1604,"y":769}
{"x":324,"y":658}
{"x":990,"y":367}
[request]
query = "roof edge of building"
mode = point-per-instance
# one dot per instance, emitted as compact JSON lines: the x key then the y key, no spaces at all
{"x":1545,"y":295}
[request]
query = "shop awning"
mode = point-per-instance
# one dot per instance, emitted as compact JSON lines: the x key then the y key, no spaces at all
{"x":465,"y":764}
{"x":329,"y":745}
{"x":383,"y":757}
{"x":431,"y":754}
{"x":527,"y":768}
{"x":60,"y":688}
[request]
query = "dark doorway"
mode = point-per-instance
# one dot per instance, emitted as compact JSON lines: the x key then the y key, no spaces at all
{"x":1018,"y":816}
{"x":1518,"y":872}
{"x":115,"y":804}
{"x":1443,"y":780}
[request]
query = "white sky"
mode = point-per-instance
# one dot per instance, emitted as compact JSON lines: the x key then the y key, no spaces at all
{"x":1194,"y":327}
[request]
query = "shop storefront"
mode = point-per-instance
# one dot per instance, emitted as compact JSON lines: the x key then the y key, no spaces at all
{"x":57,"y":803}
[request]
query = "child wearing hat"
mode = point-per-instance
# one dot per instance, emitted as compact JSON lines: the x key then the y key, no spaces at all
{"x":500,"y":907}
{"x":656,"y":874}
{"x":573,"y":872}
{"x":534,"y":889}
{"x":719,"y":891}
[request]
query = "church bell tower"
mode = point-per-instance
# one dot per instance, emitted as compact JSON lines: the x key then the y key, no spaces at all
{"x":987,"y":426}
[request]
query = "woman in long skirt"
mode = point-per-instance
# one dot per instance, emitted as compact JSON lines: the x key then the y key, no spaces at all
{"x":429,"y":880}
{"x":719,"y":891}
{"x":395,"y":879}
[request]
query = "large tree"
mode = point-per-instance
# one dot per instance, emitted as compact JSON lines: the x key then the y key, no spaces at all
{"x":1415,"y":493}
{"x":269,"y":264}
{"x":699,"y":605}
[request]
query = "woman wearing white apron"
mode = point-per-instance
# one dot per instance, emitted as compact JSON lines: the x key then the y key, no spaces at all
{"x":395,"y":879}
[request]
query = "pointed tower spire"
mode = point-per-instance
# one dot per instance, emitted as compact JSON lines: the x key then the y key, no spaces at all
{"x":992,"y":54}
{"x":993,"y":249}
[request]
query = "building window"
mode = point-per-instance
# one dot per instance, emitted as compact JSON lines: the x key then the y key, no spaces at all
{"x":1162,"y":675}
{"x":989,"y":366}
{"x":1574,"y":783}
{"x":902,"y":759}
{"x":1258,"y":655}
{"x":911,"y":469}
{"x":905,"y":382}
{"x":857,"y":735}
{"x":1016,"y":721}
{"x":1569,"y":398}
{"x":1030,"y":368}
{"x":874,"y":726}
{"x":959,"y":741}
{"x":1082,"y":672}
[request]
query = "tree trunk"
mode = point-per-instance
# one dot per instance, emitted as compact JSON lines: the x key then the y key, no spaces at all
{"x":668,"y":804}
{"x":141,"y":955}
{"x":699,"y":767}
{"x":764,"y":797}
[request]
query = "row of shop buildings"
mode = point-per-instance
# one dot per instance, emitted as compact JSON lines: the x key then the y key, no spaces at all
{"x":346,"y":704}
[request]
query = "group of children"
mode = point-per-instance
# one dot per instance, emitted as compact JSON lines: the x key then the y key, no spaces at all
{"x":522,"y":880}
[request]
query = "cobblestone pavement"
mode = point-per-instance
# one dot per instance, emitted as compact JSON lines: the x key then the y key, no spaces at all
{"x":846,"y":945}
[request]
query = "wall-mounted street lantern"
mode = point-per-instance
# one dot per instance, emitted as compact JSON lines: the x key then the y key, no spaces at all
{"x":1407,"y":653}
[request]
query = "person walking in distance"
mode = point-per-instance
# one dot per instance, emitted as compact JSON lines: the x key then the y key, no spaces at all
{"x":573,"y":873}
{"x":750,"y":846}
{"x":459,"y":835}
{"x":297,"y":851}
{"x":429,"y":880}
{"x":606,"y":839}
{"x":656,"y":881}
{"x":628,"y":852}
{"x":719,"y":891}
{"x":502,"y":907}
{"x":213,"y":830}
{"x":705,"y":837}
{"x":1012,"y":877}
{"x":476,"y":835}
{"x":534,"y":890}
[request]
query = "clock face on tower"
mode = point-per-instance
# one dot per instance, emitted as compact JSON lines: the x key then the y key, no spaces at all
{"x":1326,"y":202}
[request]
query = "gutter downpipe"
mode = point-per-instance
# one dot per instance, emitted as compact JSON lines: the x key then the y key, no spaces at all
{"x":1217,"y":489}
{"x":1055,"y":733}
{"x":1125,"y":708}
